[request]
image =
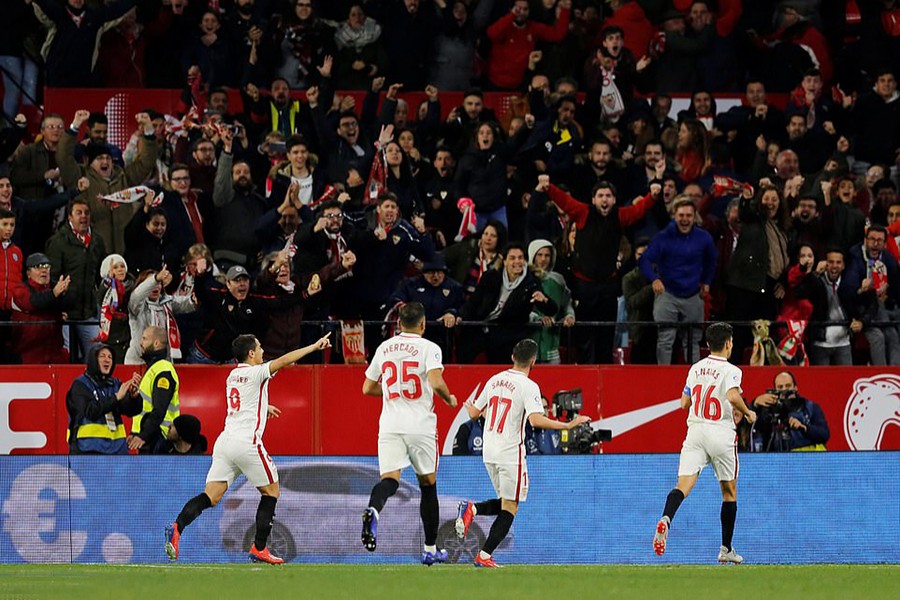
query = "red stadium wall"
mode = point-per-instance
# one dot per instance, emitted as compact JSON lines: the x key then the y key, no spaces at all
{"x":324,"y":412}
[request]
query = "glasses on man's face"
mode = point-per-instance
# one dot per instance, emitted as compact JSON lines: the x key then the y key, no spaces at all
{"x":54,"y":127}
{"x":872,"y":240}
{"x":337,"y":217}
{"x":42,"y":266}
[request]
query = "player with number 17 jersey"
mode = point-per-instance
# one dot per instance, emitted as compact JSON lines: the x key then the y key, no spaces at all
{"x":402,"y":364}
{"x":507,"y":399}
{"x":707,"y":384}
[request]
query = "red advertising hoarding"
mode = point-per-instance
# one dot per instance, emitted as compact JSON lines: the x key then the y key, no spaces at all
{"x":325,"y":413}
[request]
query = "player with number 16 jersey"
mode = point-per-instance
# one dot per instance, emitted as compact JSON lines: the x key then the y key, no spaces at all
{"x":711,"y":395}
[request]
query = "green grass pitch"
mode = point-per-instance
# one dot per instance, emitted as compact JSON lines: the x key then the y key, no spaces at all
{"x":463,"y":582}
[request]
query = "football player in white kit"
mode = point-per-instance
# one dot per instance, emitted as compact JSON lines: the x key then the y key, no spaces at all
{"x":507,"y":400}
{"x":712,"y":396}
{"x":406,"y":371}
{"x":239,"y":448}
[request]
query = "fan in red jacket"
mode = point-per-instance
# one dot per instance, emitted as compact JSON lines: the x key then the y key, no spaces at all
{"x":514,"y":37}
{"x":10,"y":258}
{"x":36,"y":300}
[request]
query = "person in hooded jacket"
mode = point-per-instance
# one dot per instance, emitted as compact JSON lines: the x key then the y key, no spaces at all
{"x":96,"y":402}
{"x":541,"y":260}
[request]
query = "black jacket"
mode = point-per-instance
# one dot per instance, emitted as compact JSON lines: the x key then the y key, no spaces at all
{"x":518,"y":306}
{"x":226,"y":318}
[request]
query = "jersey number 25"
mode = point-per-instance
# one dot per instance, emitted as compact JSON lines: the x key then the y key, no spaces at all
{"x":407,"y":376}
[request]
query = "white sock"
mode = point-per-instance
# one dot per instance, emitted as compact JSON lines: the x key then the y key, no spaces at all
{"x":483,"y":555}
{"x":374,"y":511}
{"x":432,"y":549}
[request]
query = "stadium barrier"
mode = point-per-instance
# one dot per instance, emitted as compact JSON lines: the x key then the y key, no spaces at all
{"x":807,"y":508}
{"x":325,"y":413}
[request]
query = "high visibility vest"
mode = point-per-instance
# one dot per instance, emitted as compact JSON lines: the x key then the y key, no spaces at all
{"x":146,"y":388}
{"x":107,"y":434}
{"x":293,"y":109}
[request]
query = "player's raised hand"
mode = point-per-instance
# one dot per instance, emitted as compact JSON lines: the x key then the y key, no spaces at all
{"x":324,"y":342}
{"x":273,"y":411}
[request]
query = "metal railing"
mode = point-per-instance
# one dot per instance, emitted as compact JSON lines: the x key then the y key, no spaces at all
{"x":449,"y":338}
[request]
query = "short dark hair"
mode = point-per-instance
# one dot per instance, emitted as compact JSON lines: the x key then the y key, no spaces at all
{"x":71,"y":205}
{"x":97,"y":117}
{"x":524,"y":352}
{"x":603,"y":185}
{"x":295,"y":140}
{"x":717,"y":334}
{"x":388,"y":197}
{"x":348,"y":114}
{"x":199,"y":141}
{"x":7,"y":214}
{"x":514,"y":246}
{"x":411,"y":314}
{"x":611,"y":30}
{"x":155,"y":211}
{"x":835,"y":250}
{"x":242,"y":345}
{"x":877,"y":228}
{"x":329,"y":204}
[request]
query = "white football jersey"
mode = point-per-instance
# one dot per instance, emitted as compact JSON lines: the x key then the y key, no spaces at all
{"x":247,"y":401}
{"x":508,"y":398}
{"x":707,"y":384}
{"x":402,"y":364}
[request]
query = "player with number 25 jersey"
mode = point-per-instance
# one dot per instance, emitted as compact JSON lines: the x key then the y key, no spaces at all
{"x":410,"y":371}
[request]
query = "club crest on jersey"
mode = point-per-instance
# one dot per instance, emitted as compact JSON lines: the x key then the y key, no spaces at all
{"x":446,"y":292}
{"x":395,"y":239}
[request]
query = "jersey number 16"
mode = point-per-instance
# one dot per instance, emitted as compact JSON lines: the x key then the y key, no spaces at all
{"x":712,"y":408}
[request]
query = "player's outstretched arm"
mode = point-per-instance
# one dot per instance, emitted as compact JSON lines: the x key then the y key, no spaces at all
{"x":295,"y":355}
{"x":436,"y":379}
{"x":738,"y":403}
{"x":474,"y":413}
{"x":541,"y":422}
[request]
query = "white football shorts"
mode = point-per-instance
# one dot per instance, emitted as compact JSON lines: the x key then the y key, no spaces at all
{"x":396,"y":451}
{"x":233,"y":457}
{"x":510,"y":480}
{"x":709,"y":444}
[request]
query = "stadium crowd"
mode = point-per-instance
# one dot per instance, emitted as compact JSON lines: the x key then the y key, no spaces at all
{"x":585,"y":199}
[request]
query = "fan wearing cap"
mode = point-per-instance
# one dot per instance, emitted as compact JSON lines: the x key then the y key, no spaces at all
{"x":441,"y":296}
{"x":39,"y":298}
{"x":97,"y":135}
{"x":109,"y":219}
{"x":231,"y":311}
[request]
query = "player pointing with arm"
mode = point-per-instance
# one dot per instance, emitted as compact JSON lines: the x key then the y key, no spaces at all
{"x":406,"y":371}
{"x":508,"y":398}
{"x":711,"y":436}
{"x":239,"y":448}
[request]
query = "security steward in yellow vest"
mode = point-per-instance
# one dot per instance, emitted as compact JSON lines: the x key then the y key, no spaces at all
{"x":96,"y":402}
{"x":159,"y":391}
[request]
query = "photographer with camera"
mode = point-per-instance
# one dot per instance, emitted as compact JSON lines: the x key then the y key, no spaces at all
{"x":788,"y":422}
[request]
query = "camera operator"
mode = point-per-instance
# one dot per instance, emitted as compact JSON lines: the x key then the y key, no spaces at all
{"x":542,"y":441}
{"x":788,"y":422}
